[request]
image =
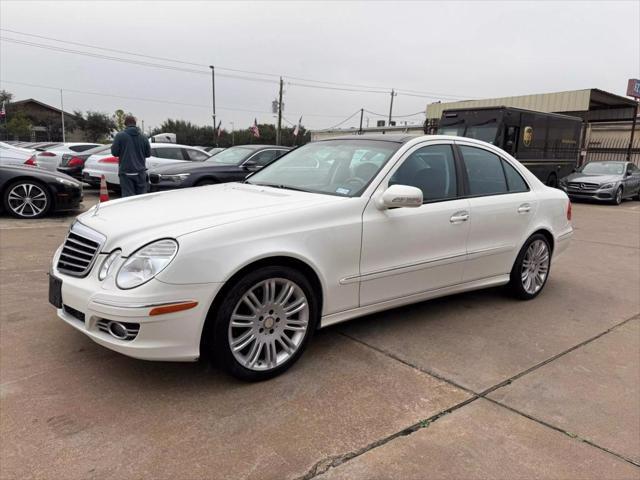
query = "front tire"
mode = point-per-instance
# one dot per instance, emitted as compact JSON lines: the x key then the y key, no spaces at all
{"x":27,"y":199}
{"x":531,"y":269}
{"x":617,"y":199}
{"x":264,"y":323}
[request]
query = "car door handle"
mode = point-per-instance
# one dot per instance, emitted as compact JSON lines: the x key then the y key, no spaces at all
{"x":459,"y":217}
{"x":524,"y":208}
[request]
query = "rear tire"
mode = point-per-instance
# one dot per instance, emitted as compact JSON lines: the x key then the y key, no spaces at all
{"x":530,"y":271}
{"x":274,"y":312}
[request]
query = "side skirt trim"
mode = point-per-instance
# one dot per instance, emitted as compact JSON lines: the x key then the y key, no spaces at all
{"x":334,"y":318}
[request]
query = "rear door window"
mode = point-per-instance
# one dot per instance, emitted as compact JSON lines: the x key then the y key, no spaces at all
{"x":264,"y":157}
{"x":170,"y":153}
{"x":484,"y":171}
{"x":515,"y":182}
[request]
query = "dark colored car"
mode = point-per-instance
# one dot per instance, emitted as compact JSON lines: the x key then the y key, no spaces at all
{"x":73,"y":164}
{"x":603,"y":181}
{"x":231,"y":165}
{"x":29,"y":192}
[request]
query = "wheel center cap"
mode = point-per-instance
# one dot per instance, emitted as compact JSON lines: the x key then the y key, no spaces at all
{"x":269,"y":322}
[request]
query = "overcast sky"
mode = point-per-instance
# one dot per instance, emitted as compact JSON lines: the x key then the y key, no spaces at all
{"x":447,"y":49}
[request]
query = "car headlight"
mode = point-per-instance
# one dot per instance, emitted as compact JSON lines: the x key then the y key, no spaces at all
{"x":146,"y":263}
{"x":179,"y":178}
{"x":563,"y":182}
{"x":607,"y":185}
{"x":68,"y":183}
{"x":105,"y":269}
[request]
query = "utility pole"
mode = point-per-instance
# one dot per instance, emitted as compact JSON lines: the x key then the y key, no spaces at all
{"x":62,"y":116}
{"x":393,"y":94}
{"x":213,"y":103}
{"x":633,"y":130}
{"x":361,"y":114}
{"x":278,"y":131}
{"x":233,"y":134}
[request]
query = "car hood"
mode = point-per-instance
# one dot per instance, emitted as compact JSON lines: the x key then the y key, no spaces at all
{"x":600,"y":179}
{"x":131,"y":222}
{"x":206,"y":166}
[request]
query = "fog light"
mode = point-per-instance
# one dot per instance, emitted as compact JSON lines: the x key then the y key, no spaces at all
{"x":118,"y":330}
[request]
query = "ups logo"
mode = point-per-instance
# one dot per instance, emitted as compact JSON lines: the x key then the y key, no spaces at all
{"x":527,"y":136}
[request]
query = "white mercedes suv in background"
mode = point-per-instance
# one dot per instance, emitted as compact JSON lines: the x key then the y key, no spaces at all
{"x":333,"y":230}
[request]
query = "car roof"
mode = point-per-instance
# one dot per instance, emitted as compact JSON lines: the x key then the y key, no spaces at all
{"x":170,"y":145}
{"x":386,"y":137}
{"x":252,"y":146}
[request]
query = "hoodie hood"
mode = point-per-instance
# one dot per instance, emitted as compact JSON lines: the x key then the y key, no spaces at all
{"x":132,"y":130}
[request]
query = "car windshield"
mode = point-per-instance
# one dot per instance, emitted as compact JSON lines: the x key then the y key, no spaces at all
{"x":334,"y":167}
{"x":603,"y":168}
{"x":232,"y":155}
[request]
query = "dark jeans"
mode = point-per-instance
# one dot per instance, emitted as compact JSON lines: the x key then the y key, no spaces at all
{"x":133,"y":184}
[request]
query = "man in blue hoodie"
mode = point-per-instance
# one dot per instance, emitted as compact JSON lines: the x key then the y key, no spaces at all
{"x":132,"y":148}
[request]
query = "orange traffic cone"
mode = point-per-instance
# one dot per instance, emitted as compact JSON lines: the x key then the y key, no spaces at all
{"x":104,"y":193}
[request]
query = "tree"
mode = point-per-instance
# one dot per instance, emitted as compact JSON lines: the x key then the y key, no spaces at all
{"x":118,"y":118}
{"x":190,"y":134}
{"x":5,"y":97}
{"x":97,"y":126}
{"x":19,"y":126}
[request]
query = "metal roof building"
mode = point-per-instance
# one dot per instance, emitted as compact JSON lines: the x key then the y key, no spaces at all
{"x":592,"y":104}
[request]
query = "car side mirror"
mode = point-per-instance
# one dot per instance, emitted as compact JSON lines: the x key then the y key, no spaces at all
{"x":250,"y":165}
{"x":400,"y":196}
{"x":628,"y":173}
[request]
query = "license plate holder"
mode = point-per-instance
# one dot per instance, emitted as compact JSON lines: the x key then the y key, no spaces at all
{"x":55,"y":291}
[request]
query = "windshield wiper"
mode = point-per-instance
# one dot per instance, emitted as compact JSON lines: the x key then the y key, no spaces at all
{"x":275,"y":185}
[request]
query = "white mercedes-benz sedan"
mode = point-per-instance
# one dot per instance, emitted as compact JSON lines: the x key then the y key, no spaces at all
{"x":333,"y":230}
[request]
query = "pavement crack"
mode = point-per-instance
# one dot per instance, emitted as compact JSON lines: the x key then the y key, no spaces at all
{"x":565,"y":432}
{"x":332,"y":461}
{"x":555,"y":357}
{"x":409,"y":364}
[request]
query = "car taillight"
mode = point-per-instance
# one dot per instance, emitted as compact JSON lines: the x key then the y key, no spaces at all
{"x":46,"y":154}
{"x":569,"y":211}
{"x":75,"y":162}
{"x":32,"y":161}
{"x":109,"y":160}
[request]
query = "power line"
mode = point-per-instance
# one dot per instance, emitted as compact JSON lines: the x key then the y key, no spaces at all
{"x":421,"y":112}
{"x":367,"y":88}
{"x":154,"y":100}
{"x":338,"y":124}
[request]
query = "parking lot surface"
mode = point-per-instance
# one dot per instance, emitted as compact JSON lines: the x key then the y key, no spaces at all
{"x":476,"y":385}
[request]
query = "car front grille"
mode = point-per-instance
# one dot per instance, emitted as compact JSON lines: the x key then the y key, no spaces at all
{"x":583,"y":186}
{"x":79,"y":251}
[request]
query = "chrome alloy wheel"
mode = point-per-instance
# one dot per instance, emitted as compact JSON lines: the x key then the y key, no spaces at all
{"x":27,"y":200}
{"x":268,"y":324}
{"x":535,"y":266}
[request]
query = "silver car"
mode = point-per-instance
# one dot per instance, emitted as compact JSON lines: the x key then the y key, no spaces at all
{"x":604,"y":181}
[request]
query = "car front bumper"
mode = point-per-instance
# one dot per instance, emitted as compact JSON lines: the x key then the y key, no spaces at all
{"x":88,"y":303}
{"x":601,"y":194}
